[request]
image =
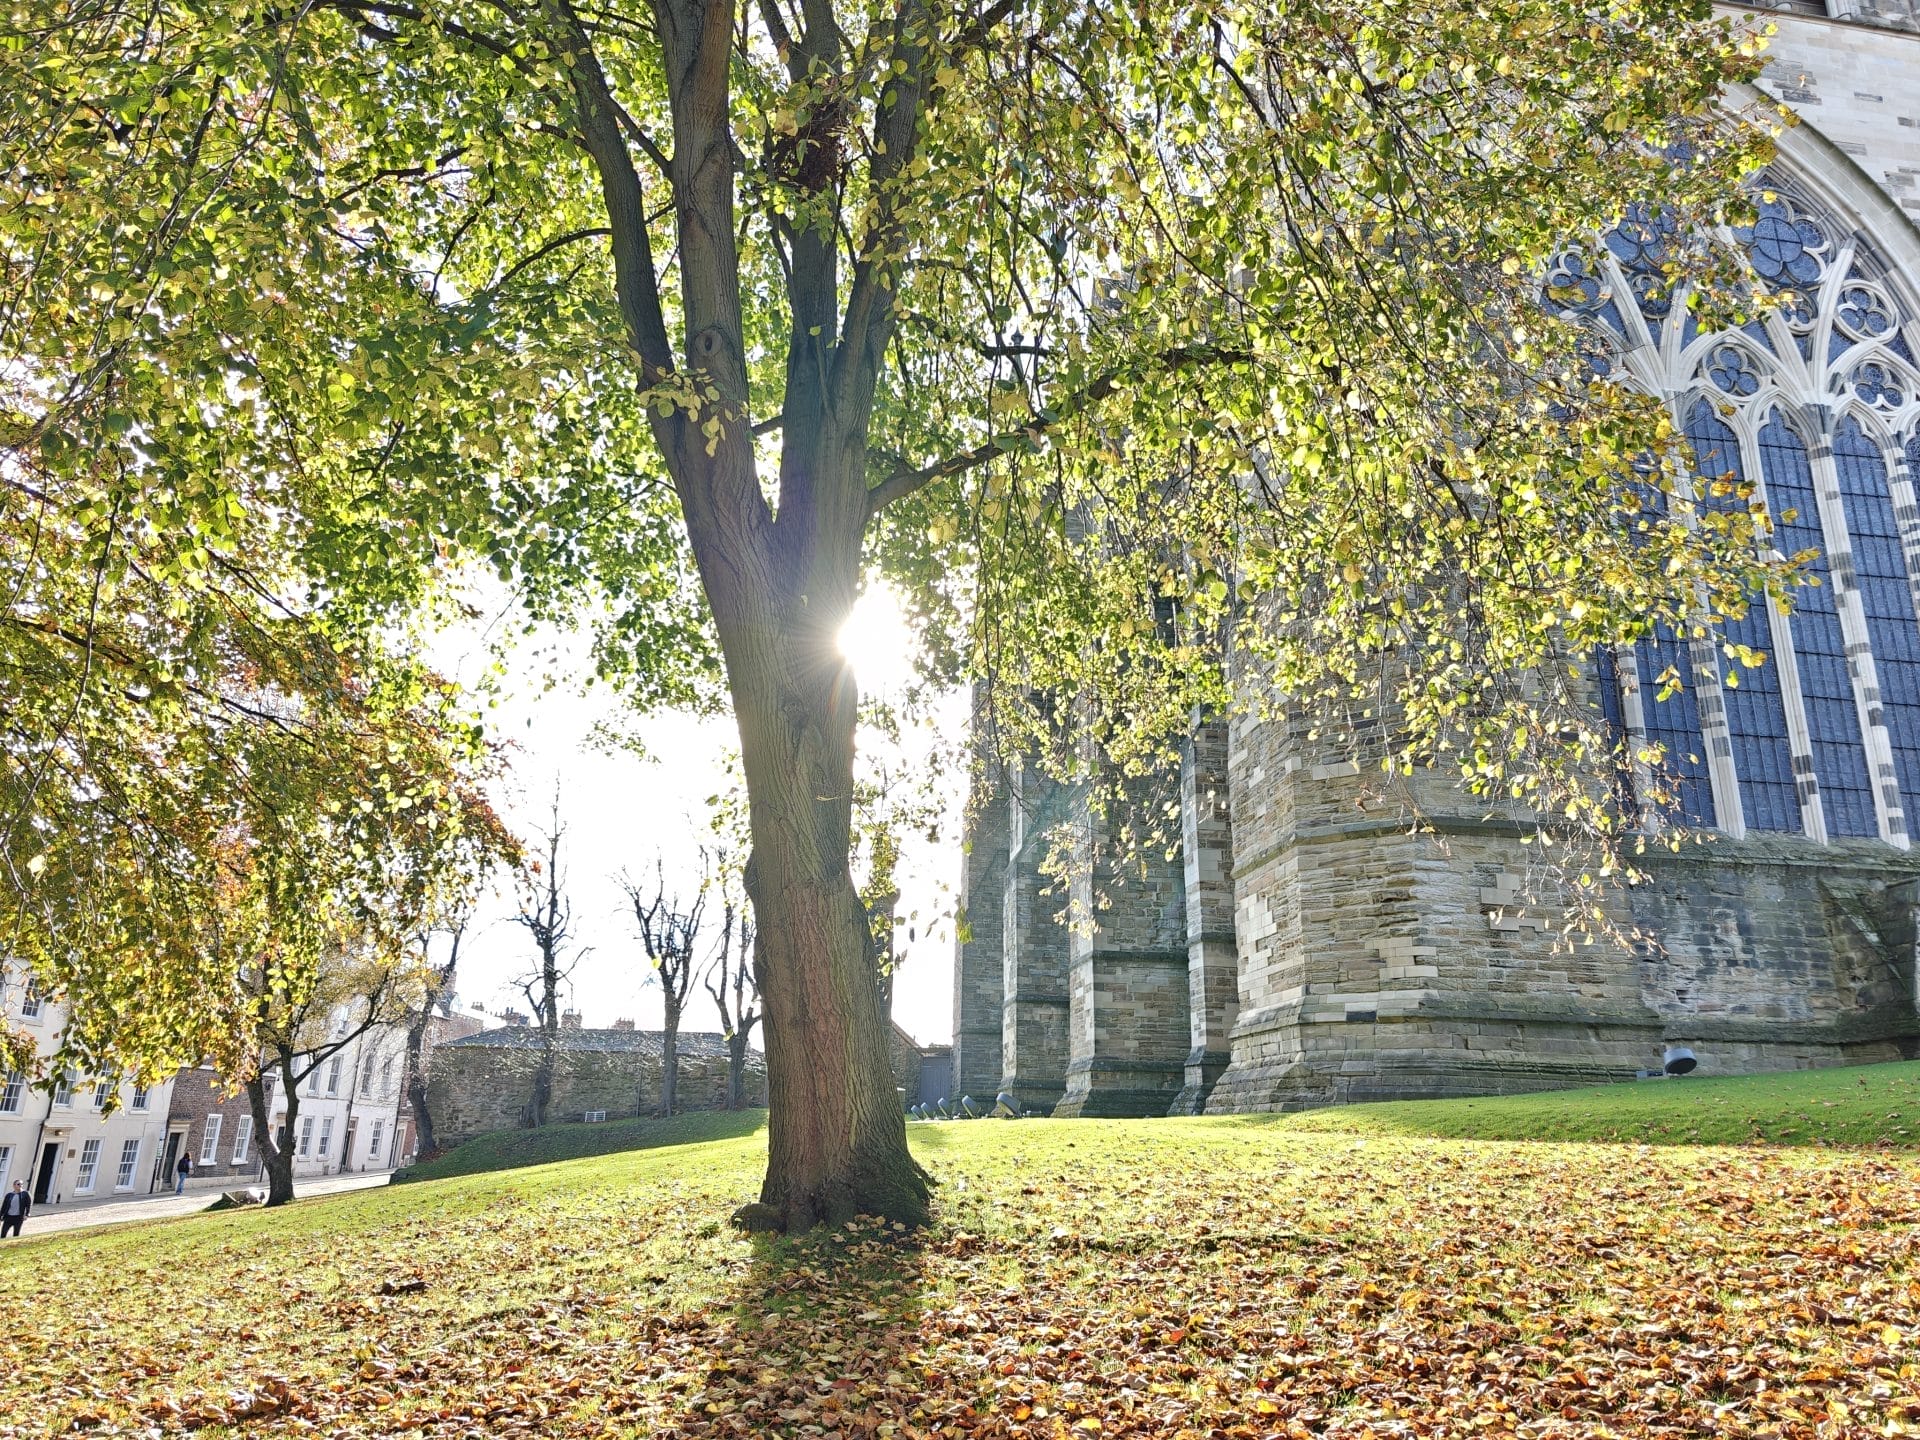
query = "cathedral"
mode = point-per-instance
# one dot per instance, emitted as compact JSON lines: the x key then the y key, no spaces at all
{"x":1307,"y":946}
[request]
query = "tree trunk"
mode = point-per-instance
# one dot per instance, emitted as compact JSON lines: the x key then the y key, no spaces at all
{"x":736,"y":1071}
{"x":837,"y":1144}
{"x":279,"y":1161}
{"x":543,"y":1084}
{"x":425,"y":1145}
{"x":670,"y":1058}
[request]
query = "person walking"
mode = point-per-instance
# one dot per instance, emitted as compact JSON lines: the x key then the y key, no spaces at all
{"x":180,"y":1174}
{"x":14,"y":1210}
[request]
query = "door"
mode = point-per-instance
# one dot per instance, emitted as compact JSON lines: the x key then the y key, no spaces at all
{"x":49,"y":1162}
{"x":346,"y":1149}
{"x":164,"y":1174}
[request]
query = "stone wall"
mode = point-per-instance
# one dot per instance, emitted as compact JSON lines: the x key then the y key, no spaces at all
{"x":1033,"y":1037}
{"x":1344,"y":937}
{"x":1127,"y":958}
{"x":485,"y":1082}
{"x":1853,"y":85}
{"x":979,"y":963}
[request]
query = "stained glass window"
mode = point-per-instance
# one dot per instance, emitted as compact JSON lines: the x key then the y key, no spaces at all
{"x":1756,"y":716}
{"x":1839,"y":757}
{"x":1675,"y":724}
{"x":1606,"y":677}
{"x":1881,"y":569}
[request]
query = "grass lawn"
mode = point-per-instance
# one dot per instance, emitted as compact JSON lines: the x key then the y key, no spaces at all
{"x":1855,"y":1105}
{"x":513,"y":1149}
{"x":1237,"y":1277}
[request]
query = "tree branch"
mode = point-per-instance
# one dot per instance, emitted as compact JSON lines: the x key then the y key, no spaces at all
{"x":636,"y":281}
{"x":906,"y":481}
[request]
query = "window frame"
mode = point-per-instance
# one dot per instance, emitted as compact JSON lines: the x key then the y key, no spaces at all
{"x":210,"y":1138}
{"x":126,"y":1174}
{"x":87,"y":1178}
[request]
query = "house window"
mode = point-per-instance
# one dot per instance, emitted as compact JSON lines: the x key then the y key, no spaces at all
{"x":373,"y":1141}
{"x":11,"y":1091}
{"x":89,"y":1167}
{"x":242,"y":1139}
{"x":140,"y":1093}
{"x":386,"y":1076}
{"x":102,"y":1092}
{"x":333,"y":1077}
{"x":306,"y":1137}
{"x":129,"y":1162}
{"x":313,"y":1081}
{"x":63,"y":1090}
{"x":326,"y":1136}
{"x":6,"y":1165}
{"x":210,"y":1141}
{"x":33,"y":1001}
{"x":366,"y":1075}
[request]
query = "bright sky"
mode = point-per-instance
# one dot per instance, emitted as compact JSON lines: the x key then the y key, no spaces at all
{"x":622,"y":810}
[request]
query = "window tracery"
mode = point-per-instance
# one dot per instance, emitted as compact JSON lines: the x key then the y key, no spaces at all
{"x":1816,"y":405}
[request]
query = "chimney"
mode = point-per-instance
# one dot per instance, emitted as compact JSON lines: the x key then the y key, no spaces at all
{"x":623,"y":1024}
{"x":569,"y":1019}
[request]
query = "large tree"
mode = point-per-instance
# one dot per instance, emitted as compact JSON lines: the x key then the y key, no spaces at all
{"x":1092,"y":324}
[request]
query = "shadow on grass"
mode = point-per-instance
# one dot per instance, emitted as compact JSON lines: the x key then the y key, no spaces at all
{"x":550,"y":1144}
{"x":815,"y":1339}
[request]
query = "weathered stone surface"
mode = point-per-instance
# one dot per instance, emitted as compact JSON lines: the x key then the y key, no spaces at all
{"x":1034,"y":955}
{"x":485,"y":1082}
{"x":1327,"y":934}
{"x":979,"y":962}
{"x":1127,"y":963}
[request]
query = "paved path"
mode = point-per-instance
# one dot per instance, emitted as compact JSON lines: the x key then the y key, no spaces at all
{"x":46,"y":1220}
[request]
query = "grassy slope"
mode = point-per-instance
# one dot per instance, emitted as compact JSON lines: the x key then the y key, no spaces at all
{"x":1864,"y":1105}
{"x":1156,"y":1278}
{"x":514,"y":1149}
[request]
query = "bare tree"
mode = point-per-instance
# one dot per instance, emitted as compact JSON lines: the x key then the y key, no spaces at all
{"x":301,"y":1029}
{"x":732,"y":979}
{"x":436,"y":992}
{"x":547,"y":916}
{"x":669,"y":934}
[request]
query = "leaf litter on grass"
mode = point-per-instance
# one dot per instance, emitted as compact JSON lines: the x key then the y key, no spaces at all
{"x":1172,"y":1278}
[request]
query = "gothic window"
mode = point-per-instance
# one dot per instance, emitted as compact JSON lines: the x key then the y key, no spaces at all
{"x":1756,"y":716}
{"x":1826,"y":687}
{"x":1837,"y":358}
{"x":1673,"y":723}
{"x":1880,"y":569}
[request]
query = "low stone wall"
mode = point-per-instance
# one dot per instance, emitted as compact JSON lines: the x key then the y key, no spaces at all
{"x":474,"y":1087}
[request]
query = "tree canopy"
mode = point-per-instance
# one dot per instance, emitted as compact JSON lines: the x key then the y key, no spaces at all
{"x":1112,"y":333}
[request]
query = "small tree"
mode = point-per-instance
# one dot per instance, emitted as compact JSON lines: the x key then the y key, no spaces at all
{"x":733,"y":981}
{"x":435,"y":993}
{"x":302,"y":1023}
{"x":668,"y":934}
{"x":547,"y":916}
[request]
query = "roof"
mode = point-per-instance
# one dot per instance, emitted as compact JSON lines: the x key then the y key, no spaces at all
{"x":693,"y":1044}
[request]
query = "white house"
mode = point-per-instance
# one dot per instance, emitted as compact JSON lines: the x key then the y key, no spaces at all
{"x":63,"y":1140}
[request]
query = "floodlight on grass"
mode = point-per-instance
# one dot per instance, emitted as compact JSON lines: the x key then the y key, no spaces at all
{"x":1679,"y":1060}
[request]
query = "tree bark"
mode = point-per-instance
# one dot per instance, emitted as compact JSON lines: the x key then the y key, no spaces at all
{"x":425,"y":1145}
{"x":543,"y":1084}
{"x":670,"y":1057}
{"x":278,"y":1161}
{"x":736,"y":1071}
{"x":836,"y":1130}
